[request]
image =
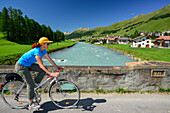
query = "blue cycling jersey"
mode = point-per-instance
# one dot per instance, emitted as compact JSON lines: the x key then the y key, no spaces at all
{"x":28,"y":58}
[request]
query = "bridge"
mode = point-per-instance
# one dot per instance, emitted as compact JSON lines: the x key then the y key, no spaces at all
{"x":135,"y":76}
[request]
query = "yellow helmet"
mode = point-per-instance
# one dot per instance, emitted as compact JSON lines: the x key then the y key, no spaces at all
{"x":43,"y":40}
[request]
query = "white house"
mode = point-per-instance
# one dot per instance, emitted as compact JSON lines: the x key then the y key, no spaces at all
{"x":142,"y":41}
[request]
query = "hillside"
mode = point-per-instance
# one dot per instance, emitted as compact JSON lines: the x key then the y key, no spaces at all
{"x":77,"y":33}
{"x":155,"y":21}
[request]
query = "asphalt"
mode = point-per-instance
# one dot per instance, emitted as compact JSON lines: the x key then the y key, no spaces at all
{"x":104,"y":103}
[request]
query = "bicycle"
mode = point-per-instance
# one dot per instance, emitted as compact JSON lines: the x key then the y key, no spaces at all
{"x":63,"y":93}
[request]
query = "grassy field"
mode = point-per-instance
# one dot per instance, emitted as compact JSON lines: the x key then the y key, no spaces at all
{"x":149,"y":54}
{"x":10,"y":52}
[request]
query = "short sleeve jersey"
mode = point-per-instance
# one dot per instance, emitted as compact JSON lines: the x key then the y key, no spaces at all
{"x":28,"y":58}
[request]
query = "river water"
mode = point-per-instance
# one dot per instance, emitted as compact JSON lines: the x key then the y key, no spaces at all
{"x":84,"y":54}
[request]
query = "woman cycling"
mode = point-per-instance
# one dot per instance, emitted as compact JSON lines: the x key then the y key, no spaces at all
{"x":27,"y":63}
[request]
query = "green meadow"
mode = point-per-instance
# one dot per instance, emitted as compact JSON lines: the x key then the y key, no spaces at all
{"x":149,"y":54}
{"x":10,"y":52}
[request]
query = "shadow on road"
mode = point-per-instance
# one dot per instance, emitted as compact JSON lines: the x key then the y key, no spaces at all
{"x":84,"y":104}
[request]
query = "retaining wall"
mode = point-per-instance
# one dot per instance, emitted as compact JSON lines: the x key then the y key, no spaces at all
{"x":134,"y":76}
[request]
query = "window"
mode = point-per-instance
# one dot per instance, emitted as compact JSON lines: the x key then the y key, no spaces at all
{"x":143,"y":43}
{"x":143,"y":39}
{"x":147,"y":41}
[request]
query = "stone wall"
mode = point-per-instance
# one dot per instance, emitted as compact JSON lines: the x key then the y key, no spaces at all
{"x":134,"y":76}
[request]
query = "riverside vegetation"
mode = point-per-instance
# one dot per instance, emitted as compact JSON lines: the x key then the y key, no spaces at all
{"x":10,"y":52}
{"x":149,"y":54}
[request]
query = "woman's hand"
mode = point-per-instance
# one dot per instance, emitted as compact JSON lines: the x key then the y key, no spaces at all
{"x":60,"y":68}
{"x":56,"y":74}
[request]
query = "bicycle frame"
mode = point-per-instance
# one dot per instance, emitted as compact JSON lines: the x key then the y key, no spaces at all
{"x":38,"y":86}
{"x":48,"y":78}
{"x":35,"y":89}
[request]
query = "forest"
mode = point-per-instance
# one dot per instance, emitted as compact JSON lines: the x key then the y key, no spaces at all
{"x":18,"y":28}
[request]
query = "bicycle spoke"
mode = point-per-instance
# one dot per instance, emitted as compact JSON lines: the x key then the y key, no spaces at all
{"x":13,"y":95}
{"x":64,"y":94}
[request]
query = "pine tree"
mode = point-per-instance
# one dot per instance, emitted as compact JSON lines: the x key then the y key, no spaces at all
{"x":5,"y":22}
{"x":11,"y":25}
{"x":44,"y":30}
{"x":27,"y":28}
{"x":49,"y":33}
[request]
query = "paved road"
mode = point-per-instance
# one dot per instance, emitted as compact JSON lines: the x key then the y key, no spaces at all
{"x":104,"y":103}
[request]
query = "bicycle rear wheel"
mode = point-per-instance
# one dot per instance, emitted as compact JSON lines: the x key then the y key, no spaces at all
{"x":14,"y":94}
{"x":64,"y":94}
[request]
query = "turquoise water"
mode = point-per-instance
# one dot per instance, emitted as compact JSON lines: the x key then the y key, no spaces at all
{"x":88,"y":55}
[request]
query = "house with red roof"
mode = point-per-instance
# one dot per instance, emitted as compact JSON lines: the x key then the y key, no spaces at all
{"x":163,"y":41}
{"x":111,"y":40}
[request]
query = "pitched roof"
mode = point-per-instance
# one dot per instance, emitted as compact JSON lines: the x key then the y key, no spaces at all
{"x":111,"y":38}
{"x":147,"y":37}
{"x":164,"y":38}
{"x":138,"y":37}
{"x":124,"y":38}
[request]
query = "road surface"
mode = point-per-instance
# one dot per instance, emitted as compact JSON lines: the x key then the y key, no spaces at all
{"x":104,"y":103}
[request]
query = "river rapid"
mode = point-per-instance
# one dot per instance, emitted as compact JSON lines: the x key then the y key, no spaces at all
{"x":84,"y":54}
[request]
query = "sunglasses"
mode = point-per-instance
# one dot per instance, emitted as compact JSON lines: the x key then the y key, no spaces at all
{"x":48,"y":43}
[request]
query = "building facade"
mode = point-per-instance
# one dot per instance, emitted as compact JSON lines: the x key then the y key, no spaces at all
{"x":163,"y":41}
{"x":142,"y":41}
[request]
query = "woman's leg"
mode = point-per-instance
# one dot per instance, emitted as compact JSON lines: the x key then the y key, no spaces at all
{"x":38,"y":78}
{"x":24,"y":72}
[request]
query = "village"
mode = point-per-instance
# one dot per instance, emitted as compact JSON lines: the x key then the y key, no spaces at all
{"x":145,"y":40}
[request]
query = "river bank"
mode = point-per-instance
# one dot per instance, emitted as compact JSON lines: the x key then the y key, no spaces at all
{"x":141,"y":54}
{"x":123,"y":52}
{"x":10,"y":52}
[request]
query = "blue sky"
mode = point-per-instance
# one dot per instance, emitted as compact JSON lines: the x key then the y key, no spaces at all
{"x":69,"y":15}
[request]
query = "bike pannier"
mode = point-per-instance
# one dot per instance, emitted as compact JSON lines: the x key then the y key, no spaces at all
{"x":13,"y":76}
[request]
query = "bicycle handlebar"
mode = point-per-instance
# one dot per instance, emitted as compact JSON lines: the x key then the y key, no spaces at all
{"x":55,"y":70}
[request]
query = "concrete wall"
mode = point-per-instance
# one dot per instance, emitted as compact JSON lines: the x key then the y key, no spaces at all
{"x":135,"y":76}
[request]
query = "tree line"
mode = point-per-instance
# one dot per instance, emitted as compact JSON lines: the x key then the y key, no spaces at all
{"x":21,"y":29}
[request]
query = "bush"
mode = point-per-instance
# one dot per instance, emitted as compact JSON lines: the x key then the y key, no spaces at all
{"x":120,"y":90}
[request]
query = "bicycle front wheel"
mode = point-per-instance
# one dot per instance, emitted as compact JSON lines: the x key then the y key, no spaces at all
{"x":64,"y":94}
{"x":14,"y":94}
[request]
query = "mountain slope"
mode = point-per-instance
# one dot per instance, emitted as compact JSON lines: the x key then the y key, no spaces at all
{"x":155,"y":21}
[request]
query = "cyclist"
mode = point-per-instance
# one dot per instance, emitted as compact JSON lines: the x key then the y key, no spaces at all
{"x":27,"y":63}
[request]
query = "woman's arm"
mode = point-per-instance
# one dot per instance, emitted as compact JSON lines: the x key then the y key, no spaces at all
{"x":40,"y":63}
{"x":51,"y":61}
{"x":39,"y":60}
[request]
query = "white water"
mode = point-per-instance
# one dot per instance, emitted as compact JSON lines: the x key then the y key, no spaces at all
{"x":89,"y":55}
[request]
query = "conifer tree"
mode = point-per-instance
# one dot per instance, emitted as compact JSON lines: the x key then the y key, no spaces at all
{"x":5,"y":22}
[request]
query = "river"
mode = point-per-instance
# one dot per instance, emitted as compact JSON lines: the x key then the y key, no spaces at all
{"x":84,"y":54}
